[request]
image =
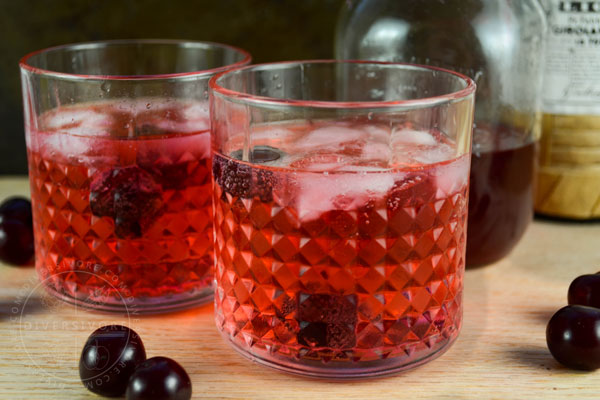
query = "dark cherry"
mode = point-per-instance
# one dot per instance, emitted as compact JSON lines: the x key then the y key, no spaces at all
{"x":585,"y":291}
{"x":16,"y":208}
{"x":109,"y":358}
{"x":159,"y":378}
{"x":573,"y":337}
{"x":16,"y":242}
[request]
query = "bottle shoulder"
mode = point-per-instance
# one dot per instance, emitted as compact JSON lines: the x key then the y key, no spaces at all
{"x":393,"y":30}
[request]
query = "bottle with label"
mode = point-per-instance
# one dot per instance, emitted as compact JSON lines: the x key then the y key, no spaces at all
{"x":499,"y":43}
{"x":569,"y":175}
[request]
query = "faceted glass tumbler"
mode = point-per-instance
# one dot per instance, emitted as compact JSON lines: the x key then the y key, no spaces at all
{"x":118,"y":143}
{"x":340,"y":209}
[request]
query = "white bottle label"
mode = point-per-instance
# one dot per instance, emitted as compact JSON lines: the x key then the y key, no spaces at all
{"x":572,"y":71}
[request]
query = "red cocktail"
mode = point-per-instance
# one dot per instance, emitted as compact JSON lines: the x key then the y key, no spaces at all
{"x":134,"y":212}
{"x":340,"y":242}
{"x":341,"y":256}
{"x":119,"y":164}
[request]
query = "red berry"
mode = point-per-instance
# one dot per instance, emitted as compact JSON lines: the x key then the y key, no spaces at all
{"x":327,"y":320}
{"x":243,"y":181}
{"x":128,"y":195}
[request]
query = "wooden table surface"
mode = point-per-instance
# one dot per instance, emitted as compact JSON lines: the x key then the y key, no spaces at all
{"x":501,"y":352}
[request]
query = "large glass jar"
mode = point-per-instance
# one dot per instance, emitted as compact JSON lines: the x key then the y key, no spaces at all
{"x":499,"y":43}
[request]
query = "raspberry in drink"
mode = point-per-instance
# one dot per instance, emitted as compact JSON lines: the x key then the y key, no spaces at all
{"x":340,"y":244}
{"x":122,"y":203}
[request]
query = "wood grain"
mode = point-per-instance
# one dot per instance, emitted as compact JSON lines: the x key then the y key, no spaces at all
{"x":500,"y":354}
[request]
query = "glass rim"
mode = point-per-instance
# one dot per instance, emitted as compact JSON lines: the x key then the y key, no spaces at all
{"x":25,"y":65}
{"x":257,"y":100}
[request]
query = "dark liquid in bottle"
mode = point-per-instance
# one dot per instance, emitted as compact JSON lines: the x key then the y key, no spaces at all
{"x":500,"y":197}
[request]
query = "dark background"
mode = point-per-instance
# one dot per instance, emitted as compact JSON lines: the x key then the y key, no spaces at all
{"x":271,"y":30}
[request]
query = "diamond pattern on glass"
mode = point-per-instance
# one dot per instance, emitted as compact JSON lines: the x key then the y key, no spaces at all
{"x":172,"y":258}
{"x":378,"y":281}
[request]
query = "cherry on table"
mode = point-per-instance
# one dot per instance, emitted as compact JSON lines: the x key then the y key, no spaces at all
{"x":585,"y":291}
{"x":16,"y":208}
{"x":16,"y":242}
{"x":573,"y":337}
{"x":109,"y":358}
{"x":159,"y":378}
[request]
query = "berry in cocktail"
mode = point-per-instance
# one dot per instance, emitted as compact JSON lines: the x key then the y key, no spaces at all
{"x":122,"y":203}
{"x":340,"y":244}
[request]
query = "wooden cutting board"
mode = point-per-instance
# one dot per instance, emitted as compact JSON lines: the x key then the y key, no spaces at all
{"x":501,"y":352}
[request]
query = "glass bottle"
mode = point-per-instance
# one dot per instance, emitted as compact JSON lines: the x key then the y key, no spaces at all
{"x":569,"y":174}
{"x":499,"y":43}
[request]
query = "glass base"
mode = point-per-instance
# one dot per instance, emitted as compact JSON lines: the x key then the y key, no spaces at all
{"x":139,"y":305}
{"x":333,"y":370}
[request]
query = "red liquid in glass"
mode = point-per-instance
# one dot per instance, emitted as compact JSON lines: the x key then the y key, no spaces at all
{"x":500,"y":198}
{"x":358,"y":264}
{"x":81,"y":254}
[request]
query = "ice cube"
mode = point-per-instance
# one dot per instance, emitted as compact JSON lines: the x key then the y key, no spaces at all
{"x":331,"y":137}
{"x":453,"y":177}
{"x":59,"y":143}
{"x":81,"y":122}
{"x":345,"y":189}
{"x":271,"y":135}
{"x":412,"y":137}
{"x":374,"y":153}
{"x":318,"y":162}
{"x":158,"y":115}
{"x":410,"y":146}
{"x":378,"y":133}
{"x":197,"y":111}
{"x":435,"y":154}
